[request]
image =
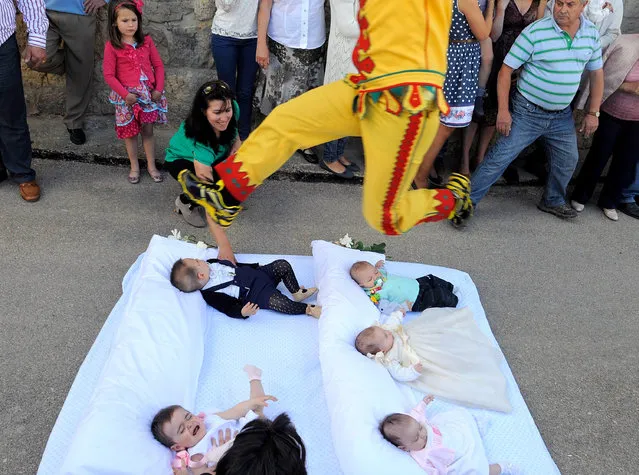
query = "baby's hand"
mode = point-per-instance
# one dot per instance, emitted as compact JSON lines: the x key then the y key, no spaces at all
{"x":609,"y":6}
{"x":428,"y":399}
{"x":418,"y":367}
{"x":131,"y":99}
{"x":156,"y":95}
{"x":379,"y":264}
{"x":249,"y":309}
{"x":257,"y":403}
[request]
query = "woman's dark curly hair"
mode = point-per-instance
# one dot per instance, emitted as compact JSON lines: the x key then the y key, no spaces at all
{"x":197,"y":126}
{"x":265,"y":447}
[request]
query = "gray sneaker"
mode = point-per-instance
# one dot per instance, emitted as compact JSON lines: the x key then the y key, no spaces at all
{"x":631,"y":209}
{"x":563,"y":211}
{"x":190,"y":213}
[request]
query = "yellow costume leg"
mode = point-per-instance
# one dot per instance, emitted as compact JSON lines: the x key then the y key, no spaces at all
{"x":394,"y":144}
{"x":316,"y":117}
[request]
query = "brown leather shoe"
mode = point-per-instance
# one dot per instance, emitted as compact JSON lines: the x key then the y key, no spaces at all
{"x":30,"y":191}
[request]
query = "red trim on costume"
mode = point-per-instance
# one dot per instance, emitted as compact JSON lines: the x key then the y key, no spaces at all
{"x":236,"y":181}
{"x":364,"y":64}
{"x":401,"y":164}
{"x":444,"y":209}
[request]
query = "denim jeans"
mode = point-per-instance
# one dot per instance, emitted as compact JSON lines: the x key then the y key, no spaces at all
{"x":629,"y":194}
{"x":334,"y":150}
{"x":616,"y":137}
{"x":236,"y":66}
{"x":15,"y":141}
{"x":531,"y":122}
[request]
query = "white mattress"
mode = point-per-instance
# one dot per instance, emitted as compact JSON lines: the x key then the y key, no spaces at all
{"x":286,"y":348}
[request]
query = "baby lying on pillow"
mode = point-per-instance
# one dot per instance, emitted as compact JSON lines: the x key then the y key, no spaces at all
{"x":450,"y":442}
{"x":239,"y":291}
{"x":193,"y":437}
{"x":417,"y":294}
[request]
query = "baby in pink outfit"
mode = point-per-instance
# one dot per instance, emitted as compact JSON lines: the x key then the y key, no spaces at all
{"x":200,"y":440}
{"x":449,"y":443}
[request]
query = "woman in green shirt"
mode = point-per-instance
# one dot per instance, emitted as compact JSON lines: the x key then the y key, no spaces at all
{"x":208,"y":135}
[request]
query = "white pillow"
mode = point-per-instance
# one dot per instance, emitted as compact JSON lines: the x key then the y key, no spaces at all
{"x":359,"y":392}
{"x":154,"y":362}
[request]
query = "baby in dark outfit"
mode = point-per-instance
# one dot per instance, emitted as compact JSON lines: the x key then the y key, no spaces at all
{"x":239,"y":291}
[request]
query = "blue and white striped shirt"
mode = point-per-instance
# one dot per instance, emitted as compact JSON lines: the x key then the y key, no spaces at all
{"x":34,"y":15}
{"x":553,"y":62}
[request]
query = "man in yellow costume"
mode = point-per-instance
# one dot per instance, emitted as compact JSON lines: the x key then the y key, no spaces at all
{"x":393,"y":103}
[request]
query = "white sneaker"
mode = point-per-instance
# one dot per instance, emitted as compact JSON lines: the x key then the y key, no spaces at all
{"x":577,"y":206}
{"x":610,"y":214}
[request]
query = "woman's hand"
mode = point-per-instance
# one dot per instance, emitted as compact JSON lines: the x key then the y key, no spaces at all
{"x":504,"y":122}
{"x":131,"y":99}
{"x":203,"y":172}
{"x":156,"y":96}
{"x":249,"y":309}
{"x":262,"y":55}
{"x":223,"y":437}
{"x":236,"y":145}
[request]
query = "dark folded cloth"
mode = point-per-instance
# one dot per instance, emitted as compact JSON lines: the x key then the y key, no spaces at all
{"x":434,"y":292}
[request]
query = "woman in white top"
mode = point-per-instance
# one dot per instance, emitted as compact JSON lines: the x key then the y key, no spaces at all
{"x":339,"y":62}
{"x":233,"y":44}
{"x":290,"y":50}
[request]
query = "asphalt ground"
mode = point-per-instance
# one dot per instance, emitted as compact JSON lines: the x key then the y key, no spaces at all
{"x":561,"y":297}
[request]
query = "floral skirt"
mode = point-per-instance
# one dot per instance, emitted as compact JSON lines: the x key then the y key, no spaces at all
{"x":129,"y":119}
{"x":290,"y":73}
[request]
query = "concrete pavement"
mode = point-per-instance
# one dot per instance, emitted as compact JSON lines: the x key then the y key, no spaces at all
{"x":562,"y":297}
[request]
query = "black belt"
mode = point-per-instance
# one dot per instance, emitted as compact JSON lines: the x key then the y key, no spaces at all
{"x":541,"y":108}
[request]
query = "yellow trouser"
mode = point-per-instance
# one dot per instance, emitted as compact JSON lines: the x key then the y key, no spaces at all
{"x":394,"y":145}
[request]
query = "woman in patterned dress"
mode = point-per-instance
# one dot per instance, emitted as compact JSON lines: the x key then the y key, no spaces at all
{"x":468,"y":28}
{"x":511,"y":17}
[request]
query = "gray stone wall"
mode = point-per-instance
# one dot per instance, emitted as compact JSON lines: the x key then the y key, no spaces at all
{"x":180,"y":29}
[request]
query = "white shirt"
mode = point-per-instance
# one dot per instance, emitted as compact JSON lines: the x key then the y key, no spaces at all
{"x":220,"y":274}
{"x":298,"y":24}
{"x":235,"y":18}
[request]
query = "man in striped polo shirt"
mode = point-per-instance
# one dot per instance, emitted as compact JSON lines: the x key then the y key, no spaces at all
{"x":553,"y":52}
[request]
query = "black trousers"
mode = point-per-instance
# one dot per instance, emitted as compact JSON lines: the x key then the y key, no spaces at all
{"x":616,"y":137}
{"x":434,"y":292}
{"x":15,"y":141}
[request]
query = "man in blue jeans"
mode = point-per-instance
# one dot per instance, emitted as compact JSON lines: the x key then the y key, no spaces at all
{"x":15,"y":141}
{"x":553,"y":52}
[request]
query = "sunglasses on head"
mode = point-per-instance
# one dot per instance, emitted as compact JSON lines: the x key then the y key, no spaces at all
{"x":214,"y":87}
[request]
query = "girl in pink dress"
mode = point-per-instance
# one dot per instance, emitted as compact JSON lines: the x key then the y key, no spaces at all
{"x":447,"y":444}
{"x":134,"y":70}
